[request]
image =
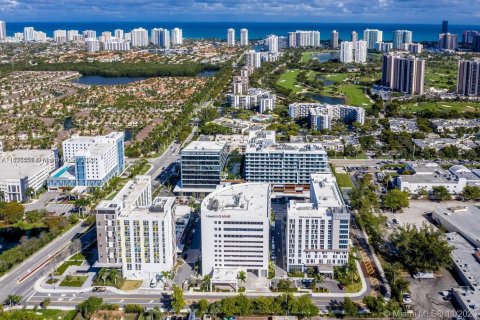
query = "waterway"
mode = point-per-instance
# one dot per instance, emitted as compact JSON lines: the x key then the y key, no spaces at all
{"x":325,"y":99}
{"x":11,"y":237}
{"x":106,"y":81}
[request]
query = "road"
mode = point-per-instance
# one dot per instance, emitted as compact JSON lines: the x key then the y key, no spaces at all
{"x":21,"y":279}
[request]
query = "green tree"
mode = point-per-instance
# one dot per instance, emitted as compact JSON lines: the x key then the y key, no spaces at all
{"x":202,"y":306}
{"x":441,"y":193}
{"x":113,"y":275}
{"x":12,"y":212}
{"x":307,"y":307}
{"x":13,"y":300}
{"x":242,"y":276}
{"x":88,"y":307}
{"x":177,"y":299}
{"x":46,"y":302}
{"x":423,"y":249}
{"x":396,"y":199}
{"x":471,"y":192}
{"x":350,"y":308}
{"x":103,"y":275}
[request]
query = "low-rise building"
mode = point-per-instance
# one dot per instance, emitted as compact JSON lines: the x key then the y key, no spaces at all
{"x":320,"y":115}
{"x":261,"y":99}
{"x":21,"y":170}
{"x":236,"y":228}
{"x":440,"y":143}
{"x":318,"y":231}
{"x":403,"y":125}
{"x":460,"y":219}
{"x":441,"y":125}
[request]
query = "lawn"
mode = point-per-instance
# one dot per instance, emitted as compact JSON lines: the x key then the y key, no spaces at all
{"x":337,"y":77}
{"x":61,"y":270}
{"x":343,"y":180}
{"x":75,"y":281}
{"x":288,"y":80}
{"x":354,"y":287}
{"x":306,"y":56}
{"x":129,"y":285}
{"x":355,"y":95}
{"x":460,"y":106}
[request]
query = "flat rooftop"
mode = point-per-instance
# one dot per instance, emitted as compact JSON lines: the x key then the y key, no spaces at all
{"x":212,"y":146}
{"x":264,"y":141}
{"x":251,"y":199}
{"x":324,"y":189}
{"x":21,"y":163}
{"x":463,"y":256}
{"x":466,"y":219}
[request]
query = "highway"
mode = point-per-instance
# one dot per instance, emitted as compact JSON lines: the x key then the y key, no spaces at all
{"x":21,"y":279}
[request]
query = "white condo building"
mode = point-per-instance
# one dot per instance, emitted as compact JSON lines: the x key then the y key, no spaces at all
{"x":139,"y":37}
{"x":231,"y":37}
{"x":321,"y":115}
{"x":360,"y":51}
{"x":302,"y":38}
{"x":93,"y":45}
{"x":253,"y":59}
{"x":317,"y":232}
{"x":90,"y":161}
{"x":176,"y":37}
{"x":282,"y":163}
{"x":135,"y":232}
{"x":272,"y":43}
{"x":90,"y":34}
{"x":236,"y":229}
{"x":262,"y":99}
{"x":244,"y":37}
{"x":23,"y":169}
{"x":71,"y":34}
{"x":119,"y":34}
{"x":116,"y":45}
{"x":3,"y":30}
{"x":28,"y":34}
{"x":372,"y":36}
{"x":353,"y":51}
{"x":346,"y":52}
{"x":401,"y":37}
{"x":155,"y":36}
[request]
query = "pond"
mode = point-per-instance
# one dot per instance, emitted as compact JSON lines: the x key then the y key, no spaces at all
{"x":325,"y":80}
{"x":325,"y":99}
{"x":10,"y":237}
{"x":207,"y":73}
{"x":106,"y":81}
{"x":324,"y":57}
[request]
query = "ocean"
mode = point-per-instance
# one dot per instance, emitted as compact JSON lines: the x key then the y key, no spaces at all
{"x":256,"y":30}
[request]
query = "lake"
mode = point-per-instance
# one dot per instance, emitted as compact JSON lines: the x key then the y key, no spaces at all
{"x":106,"y":81}
{"x":324,"y":57}
{"x":10,"y":237}
{"x":207,"y":73}
{"x":325,"y":99}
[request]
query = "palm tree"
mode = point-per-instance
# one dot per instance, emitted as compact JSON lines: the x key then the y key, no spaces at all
{"x":102,"y":274}
{"x":29,"y":192}
{"x":113,"y":276}
{"x":206,"y":281}
{"x":242,"y":276}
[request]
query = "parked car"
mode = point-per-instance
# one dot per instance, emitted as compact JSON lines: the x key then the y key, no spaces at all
{"x":99,"y":289}
{"x":341,"y":286}
{"x":424,"y":275}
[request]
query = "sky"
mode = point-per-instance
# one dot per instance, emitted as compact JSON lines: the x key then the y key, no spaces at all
{"x":382,"y":11}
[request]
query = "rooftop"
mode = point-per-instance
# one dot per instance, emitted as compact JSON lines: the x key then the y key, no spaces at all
{"x":465,"y":219}
{"x":463,"y":256}
{"x":21,"y":163}
{"x":264,"y":141}
{"x":251,"y":199}
{"x":212,"y":146}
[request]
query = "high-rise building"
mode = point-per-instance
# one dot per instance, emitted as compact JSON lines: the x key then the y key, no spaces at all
{"x":28,"y":33}
{"x":139,"y":37}
{"x":304,"y":39}
{"x":60,"y":36}
{"x":39,"y":36}
{"x":119,"y":34}
{"x":240,"y":85}
{"x":317,"y":232}
{"x":444,"y":26}
{"x":334,"y":39}
{"x":176,"y":36}
{"x":415,"y":48}
{"x":476,"y":43}
{"x":3,"y":30}
{"x":360,"y":51}
{"x":236,"y":231}
{"x":354,"y":36}
{"x":202,"y":163}
{"x":106,"y":36}
{"x":18,"y":36}
{"x":231,"y":37}
{"x":93,"y":45}
{"x":155,"y":36}
{"x":71,"y":34}
{"x":401,"y":37}
{"x":261,"y":99}
{"x":272,"y":43}
{"x":468,"y":77}
{"x":346,"y":52}
{"x":136,"y":232}
{"x":447,"y":41}
{"x":372,"y":36}
{"x":282,"y":163}
{"x":321,"y":116}
{"x":403,"y":73}
{"x":468,"y":36}
{"x":90,"y":161}
{"x":244,"y":37}
{"x":90,"y":34}
{"x":116,"y":45}
{"x":282,"y":43}
{"x":164,"y":38}
{"x":384,"y":46}
{"x":253,"y":59}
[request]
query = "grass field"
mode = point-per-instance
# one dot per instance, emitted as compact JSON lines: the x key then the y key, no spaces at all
{"x":337,"y":77}
{"x":75,"y":281}
{"x":343,"y":180}
{"x":288,"y":80}
{"x":61,"y":270}
{"x":460,"y":106}
{"x":131,"y":285}
{"x":355,"y":95}
{"x":306,"y":56}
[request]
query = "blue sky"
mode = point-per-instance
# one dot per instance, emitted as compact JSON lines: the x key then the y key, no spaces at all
{"x":405,"y":11}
